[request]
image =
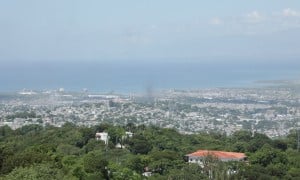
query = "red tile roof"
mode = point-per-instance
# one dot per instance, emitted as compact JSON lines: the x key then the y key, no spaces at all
{"x":218,"y":154}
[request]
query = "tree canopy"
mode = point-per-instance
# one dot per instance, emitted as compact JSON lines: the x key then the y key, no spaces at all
{"x":72,"y":152}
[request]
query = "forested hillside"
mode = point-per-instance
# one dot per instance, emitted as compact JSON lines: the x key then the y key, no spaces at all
{"x":72,"y":152}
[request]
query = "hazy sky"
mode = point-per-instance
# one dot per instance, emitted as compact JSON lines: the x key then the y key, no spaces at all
{"x":149,"y":30}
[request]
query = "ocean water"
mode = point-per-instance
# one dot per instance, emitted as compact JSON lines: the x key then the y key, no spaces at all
{"x":138,"y":77}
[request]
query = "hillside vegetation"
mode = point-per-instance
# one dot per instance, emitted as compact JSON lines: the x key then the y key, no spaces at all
{"x":72,"y":152}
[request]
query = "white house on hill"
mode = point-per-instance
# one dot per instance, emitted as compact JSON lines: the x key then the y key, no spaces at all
{"x":103,"y":136}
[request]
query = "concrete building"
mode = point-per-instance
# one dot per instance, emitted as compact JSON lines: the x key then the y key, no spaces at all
{"x":103,"y":136}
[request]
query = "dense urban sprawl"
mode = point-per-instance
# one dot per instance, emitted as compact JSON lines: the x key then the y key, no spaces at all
{"x":273,"y":111}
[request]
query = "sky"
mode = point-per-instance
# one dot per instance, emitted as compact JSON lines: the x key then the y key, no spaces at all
{"x":147,"y":31}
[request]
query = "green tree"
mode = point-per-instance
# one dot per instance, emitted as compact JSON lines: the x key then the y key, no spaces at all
{"x":188,"y":172}
{"x":139,"y":145}
{"x":5,"y":131}
{"x":121,"y":173}
{"x":280,"y":144}
{"x":277,"y":170}
{"x":94,"y":163}
{"x":38,"y":172}
{"x":115,"y":134}
{"x":138,"y":163}
{"x":67,"y":149}
{"x":26,"y":158}
{"x":254,"y":172}
{"x":258,"y":141}
{"x":93,"y":144}
{"x":292,"y":139}
{"x":268,"y":155}
{"x":32,"y":129}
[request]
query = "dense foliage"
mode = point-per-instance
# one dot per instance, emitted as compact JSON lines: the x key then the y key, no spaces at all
{"x":72,"y":152}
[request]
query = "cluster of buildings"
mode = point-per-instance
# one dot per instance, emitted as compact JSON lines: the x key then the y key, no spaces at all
{"x":273,"y":111}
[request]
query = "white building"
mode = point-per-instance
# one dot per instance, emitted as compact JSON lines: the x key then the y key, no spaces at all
{"x":129,"y":134}
{"x":200,"y":155}
{"x":103,"y":136}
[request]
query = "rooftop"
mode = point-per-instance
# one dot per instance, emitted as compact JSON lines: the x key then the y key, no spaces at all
{"x":218,"y":154}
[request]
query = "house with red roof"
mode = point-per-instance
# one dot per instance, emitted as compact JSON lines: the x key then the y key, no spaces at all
{"x":200,"y":155}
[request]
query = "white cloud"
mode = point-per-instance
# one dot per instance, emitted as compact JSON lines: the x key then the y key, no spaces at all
{"x":288,"y":12}
{"x":254,"y":17}
{"x":216,"y":21}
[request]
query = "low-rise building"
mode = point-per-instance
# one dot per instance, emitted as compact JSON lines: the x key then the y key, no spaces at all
{"x":200,"y":156}
{"x":103,"y":136}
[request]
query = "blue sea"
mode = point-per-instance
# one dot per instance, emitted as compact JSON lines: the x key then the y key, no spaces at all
{"x":126,"y":77}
